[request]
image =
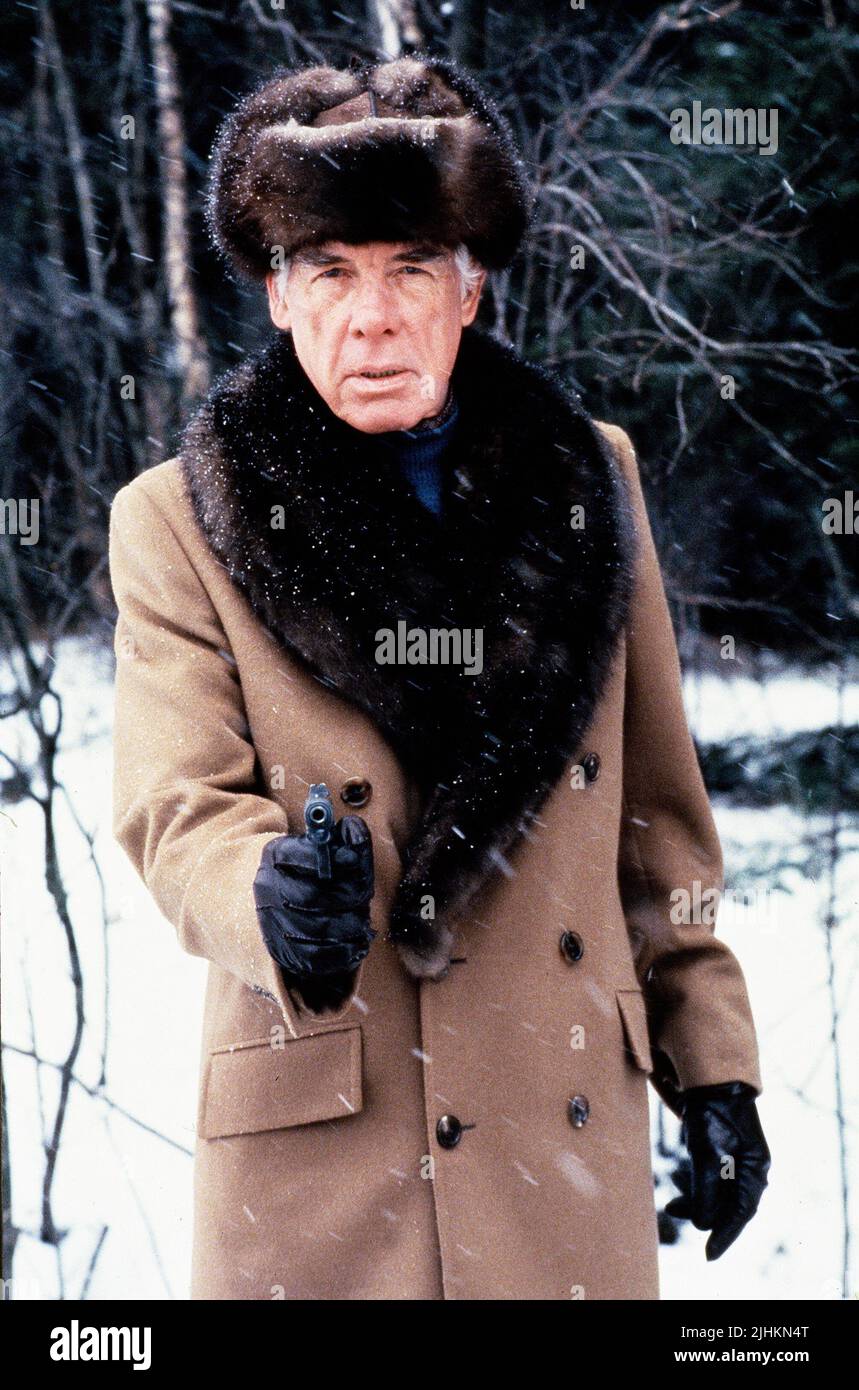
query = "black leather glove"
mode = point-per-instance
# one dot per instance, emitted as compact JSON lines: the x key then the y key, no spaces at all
{"x":720,"y":1121}
{"x":317,"y":929}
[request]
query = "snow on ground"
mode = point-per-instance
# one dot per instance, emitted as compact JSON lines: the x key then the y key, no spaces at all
{"x":113,"y":1172}
{"x":792,"y":1249}
{"x":725,"y":706}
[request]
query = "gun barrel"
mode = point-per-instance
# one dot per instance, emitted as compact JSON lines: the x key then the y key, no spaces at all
{"x":319,"y":813}
{"x":319,"y":823}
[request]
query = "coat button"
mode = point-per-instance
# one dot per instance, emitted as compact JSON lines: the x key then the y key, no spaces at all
{"x":572,"y":946}
{"x":356,"y":792}
{"x":448,"y":1131}
{"x":591,"y":766}
{"x":578,"y":1110}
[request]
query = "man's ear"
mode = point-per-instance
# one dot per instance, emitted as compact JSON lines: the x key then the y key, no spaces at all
{"x":277,"y":307}
{"x":472,"y":300}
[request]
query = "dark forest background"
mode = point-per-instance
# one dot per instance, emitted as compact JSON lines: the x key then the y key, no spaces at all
{"x":699,"y":262}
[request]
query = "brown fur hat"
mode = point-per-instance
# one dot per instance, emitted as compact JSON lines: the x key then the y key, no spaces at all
{"x":406,"y":150}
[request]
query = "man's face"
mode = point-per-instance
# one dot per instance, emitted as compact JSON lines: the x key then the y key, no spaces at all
{"x":355,"y":311}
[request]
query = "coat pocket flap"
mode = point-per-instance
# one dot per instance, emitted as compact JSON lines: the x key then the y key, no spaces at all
{"x":257,"y":1085}
{"x":633,"y":1012}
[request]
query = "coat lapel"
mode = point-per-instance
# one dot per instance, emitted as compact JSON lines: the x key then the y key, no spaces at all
{"x":356,"y":552}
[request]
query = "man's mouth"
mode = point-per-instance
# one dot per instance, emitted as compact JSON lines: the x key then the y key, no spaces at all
{"x":382,"y":372}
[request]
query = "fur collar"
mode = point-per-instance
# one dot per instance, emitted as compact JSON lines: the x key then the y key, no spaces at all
{"x":358,"y":552}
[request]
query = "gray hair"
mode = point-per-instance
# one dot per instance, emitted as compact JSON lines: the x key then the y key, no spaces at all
{"x":469,"y":269}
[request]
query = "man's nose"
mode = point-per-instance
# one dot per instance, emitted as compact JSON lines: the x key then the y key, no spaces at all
{"x":374,"y":310}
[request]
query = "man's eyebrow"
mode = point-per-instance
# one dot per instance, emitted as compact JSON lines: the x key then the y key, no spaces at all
{"x":314,"y":256}
{"x":424,"y":251}
{"x":310,"y":255}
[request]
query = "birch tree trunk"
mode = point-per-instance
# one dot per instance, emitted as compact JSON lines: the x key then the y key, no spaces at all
{"x":191,"y":355}
{"x":396,"y":24}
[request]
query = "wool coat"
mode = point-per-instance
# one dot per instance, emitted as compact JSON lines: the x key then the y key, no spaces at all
{"x":471,"y":1120}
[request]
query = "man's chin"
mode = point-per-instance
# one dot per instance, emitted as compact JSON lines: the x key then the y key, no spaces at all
{"x":379,"y":417}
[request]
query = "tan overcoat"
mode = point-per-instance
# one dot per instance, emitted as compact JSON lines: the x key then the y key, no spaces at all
{"x":319,"y":1170}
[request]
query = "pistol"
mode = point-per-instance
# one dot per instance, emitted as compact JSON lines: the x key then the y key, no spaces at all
{"x":318,"y":824}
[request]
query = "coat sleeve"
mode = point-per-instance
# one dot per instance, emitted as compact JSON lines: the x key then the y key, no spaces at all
{"x":188,"y":808}
{"x":700,"y":1020}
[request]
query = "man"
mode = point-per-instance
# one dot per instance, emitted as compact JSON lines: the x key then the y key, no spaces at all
{"x":426,"y":1044}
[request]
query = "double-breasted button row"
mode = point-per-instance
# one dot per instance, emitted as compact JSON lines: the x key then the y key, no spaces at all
{"x":448,"y":1130}
{"x":572,"y":949}
{"x":356,"y":792}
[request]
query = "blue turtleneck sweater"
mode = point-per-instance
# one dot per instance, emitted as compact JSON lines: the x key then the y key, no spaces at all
{"x":419,"y":452}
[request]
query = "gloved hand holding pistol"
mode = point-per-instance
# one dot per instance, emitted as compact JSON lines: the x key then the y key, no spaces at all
{"x":312,"y":894}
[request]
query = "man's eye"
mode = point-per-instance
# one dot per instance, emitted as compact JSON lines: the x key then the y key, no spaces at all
{"x":413,"y":270}
{"x":335,"y":270}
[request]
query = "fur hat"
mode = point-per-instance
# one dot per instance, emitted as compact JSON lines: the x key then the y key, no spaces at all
{"x":403,"y":151}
